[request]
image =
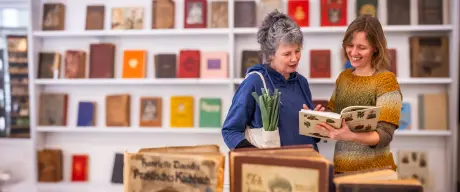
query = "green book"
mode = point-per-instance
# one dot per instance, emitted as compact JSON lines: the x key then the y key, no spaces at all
{"x":210,"y":112}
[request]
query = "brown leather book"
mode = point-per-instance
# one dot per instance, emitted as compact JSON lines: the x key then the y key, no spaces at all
{"x":249,"y":58}
{"x":320,"y":63}
{"x":398,"y":12}
{"x":393,"y":61}
{"x":101,"y":60}
{"x":53,"y":16}
{"x":49,"y":65}
{"x":219,"y":14}
{"x":53,"y":109}
{"x":429,"y":56}
{"x":245,"y":13}
{"x":118,"y":110}
{"x":165,"y":65}
{"x":75,"y":64}
{"x":95,"y":15}
{"x":430,"y":12}
{"x":163,"y":14}
{"x":49,"y":165}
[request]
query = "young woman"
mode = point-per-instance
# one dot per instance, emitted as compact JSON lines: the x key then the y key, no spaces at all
{"x":368,"y":83}
{"x":281,"y":44}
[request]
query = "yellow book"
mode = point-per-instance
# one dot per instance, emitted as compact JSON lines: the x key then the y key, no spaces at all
{"x":181,"y":112}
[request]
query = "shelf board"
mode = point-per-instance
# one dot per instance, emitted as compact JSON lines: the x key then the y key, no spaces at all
{"x":342,"y":29}
{"x":400,"y":81}
{"x":423,"y":133}
{"x":142,"y":32}
{"x":63,"y":129}
{"x":120,"y":81}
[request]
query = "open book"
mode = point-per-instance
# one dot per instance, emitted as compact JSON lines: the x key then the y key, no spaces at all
{"x":358,"y":118}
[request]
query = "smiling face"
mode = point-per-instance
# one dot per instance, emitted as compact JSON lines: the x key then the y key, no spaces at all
{"x":360,"y":51}
{"x":286,"y":59}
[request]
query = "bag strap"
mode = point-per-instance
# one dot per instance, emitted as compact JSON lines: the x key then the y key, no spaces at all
{"x":260,"y":75}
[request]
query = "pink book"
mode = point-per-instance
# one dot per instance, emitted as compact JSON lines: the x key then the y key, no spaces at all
{"x":214,"y":65}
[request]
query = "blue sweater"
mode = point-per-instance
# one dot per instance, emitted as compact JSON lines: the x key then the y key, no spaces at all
{"x":244,"y":110}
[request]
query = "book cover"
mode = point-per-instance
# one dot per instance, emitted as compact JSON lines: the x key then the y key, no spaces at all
{"x":245,"y":14}
{"x":214,"y":65}
{"x":406,"y":117}
{"x":86,"y":114}
{"x":53,"y":109}
{"x":49,"y":65}
{"x":358,"y":118}
{"x":182,"y":108}
{"x":334,"y":13}
{"x":150,"y":111}
{"x":163,"y":12}
{"x":75,"y":64}
{"x":95,"y":16}
{"x":429,"y":56}
{"x":189,"y":64}
{"x":210,"y":112}
{"x":219,"y":14}
{"x":299,"y":11}
{"x":195,"y":13}
{"x":320,"y":63}
{"x":79,"y":168}
{"x":53,"y":16}
{"x":134,"y":63}
{"x":117,"y":110}
{"x":367,"y":7}
{"x":127,"y":18}
{"x":101,"y":60}
{"x":165,"y":65}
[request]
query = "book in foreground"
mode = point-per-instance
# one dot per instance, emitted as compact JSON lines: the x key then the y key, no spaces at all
{"x":358,"y":118}
{"x":171,"y":169}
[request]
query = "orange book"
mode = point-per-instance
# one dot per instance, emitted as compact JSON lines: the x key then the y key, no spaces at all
{"x":134,"y":63}
{"x":181,"y":111}
{"x":79,"y":167}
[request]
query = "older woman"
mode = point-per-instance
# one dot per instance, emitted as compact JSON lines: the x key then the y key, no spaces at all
{"x":281,"y":42}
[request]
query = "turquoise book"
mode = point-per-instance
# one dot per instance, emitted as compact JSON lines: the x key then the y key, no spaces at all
{"x":210,"y":112}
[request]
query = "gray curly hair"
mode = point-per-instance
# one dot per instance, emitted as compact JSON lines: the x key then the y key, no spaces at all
{"x":277,"y":28}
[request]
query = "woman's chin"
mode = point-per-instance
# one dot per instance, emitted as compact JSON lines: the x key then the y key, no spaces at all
{"x":355,"y":64}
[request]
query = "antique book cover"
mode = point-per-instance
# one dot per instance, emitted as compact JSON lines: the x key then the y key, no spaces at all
{"x":398,"y":12}
{"x":299,"y":11}
{"x":53,"y":109}
{"x":367,"y":7}
{"x":86,"y":113}
{"x":195,"y":13}
{"x":186,"y":171}
{"x":189,"y":148}
{"x":248,"y":59}
{"x":189,"y":64}
{"x":415,"y":165}
{"x":320,"y":63}
{"x":80,"y":168}
{"x":127,"y":18}
{"x":165,"y":65}
{"x":219,"y":14}
{"x":163,"y":14}
{"x":295,"y":169}
{"x":334,"y":12}
{"x":117,"y":110}
{"x":50,"y":165}
{"x":75,"y":64}
{"x":95,"y":15}
{"x":49,"y":65}
{"x":181,"y":112}
{"x":210,"y":112}
{"x":150,"y":112}
{"x":430,"y":12}
{"x":53,"y":16}
{"x":134,"y":63}
{"x":245,"y":13}
{"x":101,"y":60}
{"x":429,"y":56}
{"x":264,"y":7}
{"x":393,"y":61}
{"x":433,"y":111}
{"x":214,"y":65}
{"x":358,"y":118}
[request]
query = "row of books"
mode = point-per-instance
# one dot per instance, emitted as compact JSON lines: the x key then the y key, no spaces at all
{"x":254,"y":169}
{"x":248,"y":13}
{"x":53,"y":110}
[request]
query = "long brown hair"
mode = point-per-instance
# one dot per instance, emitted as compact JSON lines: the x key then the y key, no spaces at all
{"x":374,"y":34}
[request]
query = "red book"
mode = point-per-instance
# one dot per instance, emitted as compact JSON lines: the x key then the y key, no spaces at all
{"x":320,"y":63}
{"x":189,"y":64}
{"x":79,"y":167}
{"x":195,"y":13}
{"x":333,"y":12}
{"x":299,"y":11}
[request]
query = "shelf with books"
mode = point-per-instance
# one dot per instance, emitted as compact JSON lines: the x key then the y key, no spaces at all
{"x":121,"y":81}
{"x":121,"y":33}
{"x":64,"y":129}
{"x":416,"y":81}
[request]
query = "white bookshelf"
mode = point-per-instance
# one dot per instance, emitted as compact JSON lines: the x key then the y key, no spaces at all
{"x":100,"y":142}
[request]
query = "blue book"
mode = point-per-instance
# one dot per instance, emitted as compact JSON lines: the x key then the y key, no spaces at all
{"x":86,"y":114}
{"x":405,"y":119}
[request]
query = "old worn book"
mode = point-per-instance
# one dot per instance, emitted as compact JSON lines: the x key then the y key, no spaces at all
{"x":245,"y":13}
{"x":219,"y":14}
{"x":95,"y":16}
{"x":214,"y":65}
{"x":182,"y":112}
{"x":49,"y":65}
{"x":414,"y":165}
{"x":358,"y":118}
{"x":165,"y":65}
{"x":151,"y":110}
{"x":127,"y":18}
{"x":101,"y":60}
{"x":75,"y":64}
{"x":334,"y":13}
{"x":210,"y":112}
{"x":300,"y":168}
{"x":367,"y":7}
{"x":53,"y":109}
{"x":398,"y":12}
{"x":264,"y":7}
{"x":189,"y":148}
{"x":320,"y":63}
{"x":299,"y":11}
{"x":195,"y":13}
{"x":248,"y":59}
{"x":163,"y":14}
{"x":134,"y":63}
{"x":184,"y":170}
{"x":430,"y":12}
{"x":189,"y":64}
{"x":53,"y":16}
{"x":433,"y":111}
{"x":80,"y":164}
{"x":50,"y":165}
{"x":117,"y":110}
{"x":429,"y":56}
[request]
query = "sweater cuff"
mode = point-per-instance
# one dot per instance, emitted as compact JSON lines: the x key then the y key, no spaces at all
{"x":385,"y":131}
{"x":244,"y":144}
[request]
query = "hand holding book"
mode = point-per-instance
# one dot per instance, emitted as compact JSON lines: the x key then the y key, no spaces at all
{"x":343,"y":133}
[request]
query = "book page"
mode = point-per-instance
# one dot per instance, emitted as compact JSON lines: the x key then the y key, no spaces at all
{"x":308,"y":120}
{"x":361,"y":119}
{"x":258,"y":177}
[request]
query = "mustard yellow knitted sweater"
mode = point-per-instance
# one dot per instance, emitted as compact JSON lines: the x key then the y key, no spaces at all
{"x":381,"y":89}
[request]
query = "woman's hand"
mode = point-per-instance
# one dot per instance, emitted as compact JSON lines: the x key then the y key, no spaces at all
{"x":317,"y":108}
{"x":343,"y":133}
